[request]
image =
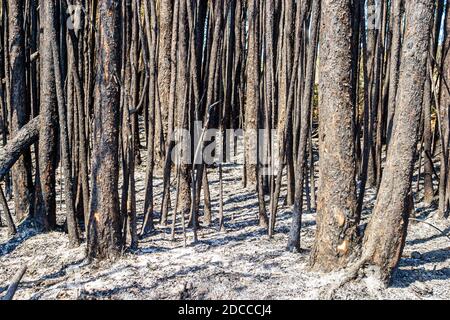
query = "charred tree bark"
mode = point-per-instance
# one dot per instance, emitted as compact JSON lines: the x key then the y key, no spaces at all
{"x":80,"y":121}
{"x":21,"y":173}
{"x":45,"y":216}
{"x":150,"y":23}
{"x":165,"y":17}
{"x":252,"y":93}
{"x":444,"y":122}
{"x":169,"y":144}
{"x":14,"y":149}
{"x":428,"y":151}
{"x":386,"y":233}
{"x":336,"y":234}
{"x":427,"y":141}
{"x":305,"y":127}
{"x":183,"y":110}
{"x":396,"y":46}
{"x":104,"y":239}
{"x":69,"y":196}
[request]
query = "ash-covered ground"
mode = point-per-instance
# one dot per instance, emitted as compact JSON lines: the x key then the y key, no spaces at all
{"x":241,"y":263}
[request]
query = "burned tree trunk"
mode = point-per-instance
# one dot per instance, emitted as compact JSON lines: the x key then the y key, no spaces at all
{"x":385,"y":235}
{"x":150,"y":23}
{"x":428,"y":106}
{"x":252,"y":94}
{"x":336,"y":227}
{"x":444,"y":122}
{"x":165,"y":17}
{"x":305,"y":127}
{"x":21,"y":173}
{"x":183,"y":111}
{"x":45,"y":215}
{"x":104,"y":239}
{"x":394,"y":64}
{"x":427,"y":142}
{"x":69,"y":197}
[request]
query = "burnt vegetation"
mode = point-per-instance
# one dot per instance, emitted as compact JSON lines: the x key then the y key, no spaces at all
{"x":356,"y":92}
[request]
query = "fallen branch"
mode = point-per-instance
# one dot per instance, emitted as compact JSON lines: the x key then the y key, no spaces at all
{"x":10,"y":153}
{"x":15,"y":284}
{"x":431,"y":225}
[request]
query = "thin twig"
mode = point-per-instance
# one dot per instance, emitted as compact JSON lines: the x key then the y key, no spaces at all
{"x":431,"y":225}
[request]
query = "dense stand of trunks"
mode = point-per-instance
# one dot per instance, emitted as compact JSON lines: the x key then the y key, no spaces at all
{"x":366,"y":83}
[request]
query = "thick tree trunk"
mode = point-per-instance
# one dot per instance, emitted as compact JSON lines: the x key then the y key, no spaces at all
{"x":21,"y":173}
{"x":336,"y":227}
{"x":386,"y":233}
{"x":104,"y":239}
{"x":45,"y":216}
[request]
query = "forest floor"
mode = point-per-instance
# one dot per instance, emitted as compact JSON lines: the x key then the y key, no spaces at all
{"x":241,"y":263}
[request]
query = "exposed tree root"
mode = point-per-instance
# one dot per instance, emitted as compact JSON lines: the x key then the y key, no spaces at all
{"x":351,"y":274}
{"x":354,"y":269}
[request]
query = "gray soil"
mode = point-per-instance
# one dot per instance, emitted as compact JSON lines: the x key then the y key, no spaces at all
{"x":241,"y":263}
